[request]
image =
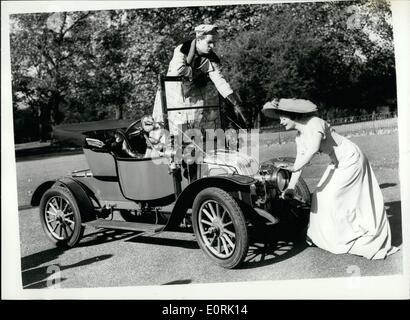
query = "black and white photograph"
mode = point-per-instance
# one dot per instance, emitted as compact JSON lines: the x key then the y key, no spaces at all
{"x":205,"y":150}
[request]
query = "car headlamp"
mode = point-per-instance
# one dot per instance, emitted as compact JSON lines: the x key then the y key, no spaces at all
{"x":281,"y":179}
{"x":276,"y":178}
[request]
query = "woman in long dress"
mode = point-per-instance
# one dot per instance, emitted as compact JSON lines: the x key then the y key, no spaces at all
{"x":347,"y":213}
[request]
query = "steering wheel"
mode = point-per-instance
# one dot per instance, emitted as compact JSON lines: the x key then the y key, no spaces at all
{"x":130,"y":131}
{"x":121,"y":139}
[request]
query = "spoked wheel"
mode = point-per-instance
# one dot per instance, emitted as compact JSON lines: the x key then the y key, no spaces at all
{"x":60,"y":217}
{"x":220,"y":227}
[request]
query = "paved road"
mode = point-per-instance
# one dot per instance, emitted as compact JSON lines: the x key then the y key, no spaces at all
{"x":116,"y":258}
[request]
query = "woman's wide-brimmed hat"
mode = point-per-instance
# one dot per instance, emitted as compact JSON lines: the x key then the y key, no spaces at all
{"x":297,"y":106}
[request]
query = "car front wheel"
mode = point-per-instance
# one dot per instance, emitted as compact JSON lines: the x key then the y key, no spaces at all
{"x":220,"y":227}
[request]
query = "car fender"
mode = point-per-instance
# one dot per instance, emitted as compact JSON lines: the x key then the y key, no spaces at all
{"x":84,"y":202}
{"x":237,"y":185}
{"x":38,"y":193}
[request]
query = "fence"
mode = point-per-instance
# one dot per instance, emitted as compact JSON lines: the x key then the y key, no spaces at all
{"x":363,"y":118}
{"x":349,"y":126}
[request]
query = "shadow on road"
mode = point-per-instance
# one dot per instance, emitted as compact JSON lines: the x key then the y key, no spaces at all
{"x":104,"y":236}
{"x":262,"y":254}
{"x":184,"y":281}
{"x":269,"y":245}
{"x":39,"y":258}
{"x":387,"y":185}
{"x":181,"y":243}
{"x":107,"y":235}
{"x":393,"y":210}
{"x":34,"y":277}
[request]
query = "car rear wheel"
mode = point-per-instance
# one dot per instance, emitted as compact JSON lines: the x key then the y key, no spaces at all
{"x":60,"y":217}
{"x":220,"y":227}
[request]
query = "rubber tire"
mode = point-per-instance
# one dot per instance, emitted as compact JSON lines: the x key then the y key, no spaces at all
{"x":239,"y":222}
{"x":78,"y":227}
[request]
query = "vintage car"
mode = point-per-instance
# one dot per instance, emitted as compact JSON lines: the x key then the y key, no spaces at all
{"x":220,"y":197}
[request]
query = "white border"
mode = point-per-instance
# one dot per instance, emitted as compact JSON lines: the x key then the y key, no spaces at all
{"x":388,"y":287}
{"x":401,"y":29}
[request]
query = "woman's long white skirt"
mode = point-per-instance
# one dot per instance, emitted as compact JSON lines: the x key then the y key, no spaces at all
{"x":347,"y":213}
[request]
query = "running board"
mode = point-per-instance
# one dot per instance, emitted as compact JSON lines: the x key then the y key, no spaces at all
{"x":124,"y":225}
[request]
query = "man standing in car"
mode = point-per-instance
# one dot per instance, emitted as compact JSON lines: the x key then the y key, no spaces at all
{"x":196,"y":60}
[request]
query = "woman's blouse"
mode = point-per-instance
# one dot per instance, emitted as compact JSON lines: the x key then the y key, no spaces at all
{"x":330,"y":139}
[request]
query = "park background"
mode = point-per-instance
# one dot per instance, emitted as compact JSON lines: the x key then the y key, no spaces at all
{"x":86,"y":66}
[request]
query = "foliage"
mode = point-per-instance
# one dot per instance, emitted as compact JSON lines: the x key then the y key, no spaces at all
{"x":309,"y":51}
{"x":84,"y":66}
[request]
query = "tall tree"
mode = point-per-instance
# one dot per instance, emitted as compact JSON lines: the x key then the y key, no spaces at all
{"x":46,"y":49}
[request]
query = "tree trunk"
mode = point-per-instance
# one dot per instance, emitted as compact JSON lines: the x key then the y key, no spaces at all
{"x":45,"y":124}
{"x":119,"y":113}
{"x":257,"y":121}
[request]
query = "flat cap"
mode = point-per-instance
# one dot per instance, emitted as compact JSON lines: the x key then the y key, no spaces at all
{"x":204,"y":29}
{"x":288,"y":105}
